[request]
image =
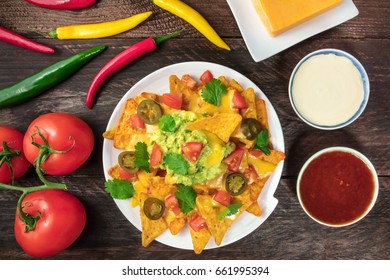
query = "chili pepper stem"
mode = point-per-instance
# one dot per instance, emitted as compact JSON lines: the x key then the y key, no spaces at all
{"x":159,"y":40}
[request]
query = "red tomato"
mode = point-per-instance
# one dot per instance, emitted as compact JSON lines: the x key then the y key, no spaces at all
{"x":192,"y":150}
{"x":172,"y":204}
{"x":136,"y":122}
{"x":62,"y":219}
{"x":206,"y":77}
{"x":256,"y":153}
{"x":222,"y":197}
{"x":156,"y":155}
{"x":124,"y":175}
{"x":173,"y":100}
{"x":233,"y":160}
{"x":197,"y":223}
{"x":63,"y":132}
{"x":238,"y":101}
{"x":20,"y":165}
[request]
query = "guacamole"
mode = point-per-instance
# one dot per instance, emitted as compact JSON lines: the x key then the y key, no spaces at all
{"x":203,"y":169}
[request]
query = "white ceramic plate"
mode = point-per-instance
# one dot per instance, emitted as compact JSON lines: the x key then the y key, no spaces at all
{"x":261,"y":45}
{"x":157,"y":82}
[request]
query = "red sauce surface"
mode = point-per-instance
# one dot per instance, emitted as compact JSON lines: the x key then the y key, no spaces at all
{"x":336,"y":188}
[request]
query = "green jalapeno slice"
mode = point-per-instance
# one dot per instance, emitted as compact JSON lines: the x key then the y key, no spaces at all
{"x":250,"y":128}
{"x":149,"y":111}
{"x":235,"y":183}
{"x":153,"y":208}
{"x":126,"y":161}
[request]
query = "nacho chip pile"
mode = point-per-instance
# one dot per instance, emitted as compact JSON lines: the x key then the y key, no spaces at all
{"x":195,"y":163}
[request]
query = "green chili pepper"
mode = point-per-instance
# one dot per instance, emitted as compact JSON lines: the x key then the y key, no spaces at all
{"x":45,"y":79}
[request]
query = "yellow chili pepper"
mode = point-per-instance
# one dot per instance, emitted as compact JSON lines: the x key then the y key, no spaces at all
{"x":194,"y":18}
{"x":98,"y":30}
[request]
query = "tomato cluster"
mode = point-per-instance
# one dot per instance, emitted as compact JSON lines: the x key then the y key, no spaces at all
{"x":56,"y":144}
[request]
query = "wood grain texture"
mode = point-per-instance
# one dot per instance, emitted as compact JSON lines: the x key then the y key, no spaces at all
{"x":288,"y":233}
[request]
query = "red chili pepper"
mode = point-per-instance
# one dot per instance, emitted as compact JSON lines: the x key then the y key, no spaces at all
{"x":121,"y":60}
{"x":13,"y":38}
{"x":63,"y":4}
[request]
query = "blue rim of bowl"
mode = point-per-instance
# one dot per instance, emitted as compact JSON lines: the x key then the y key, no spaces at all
{"x":363,"y":74}
{"x":359,"y":155}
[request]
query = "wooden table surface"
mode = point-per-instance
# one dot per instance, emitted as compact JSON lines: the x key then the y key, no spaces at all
{"x":289,"y":233}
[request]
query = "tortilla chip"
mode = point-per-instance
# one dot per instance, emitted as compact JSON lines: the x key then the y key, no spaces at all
{"x":223,"y":80}
{"x":151,"y":229}
{"x":234,"y":84}
{"x":256,"y":187}
{"x":254,"y":209}
{"x":190,"y":97}
{"x":222,"y":125}
{"x":114,"y":172}
{"x":159,"y":188}
{"x":175,"y":223}
{"x":274,"y":157}
{"x":250,"y":99}
{"x":261,"y":112}
{"x":127,"y":136}
{"x":199,"y":238}
{"x":244,"y":198}
{"x":209,"y":212}
{"x":110,"y":134}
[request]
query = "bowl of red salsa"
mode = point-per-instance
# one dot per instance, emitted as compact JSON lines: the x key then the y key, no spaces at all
{"x":337,"y":186}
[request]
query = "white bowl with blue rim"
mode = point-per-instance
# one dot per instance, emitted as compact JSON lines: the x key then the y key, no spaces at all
{"x":327,"y":125}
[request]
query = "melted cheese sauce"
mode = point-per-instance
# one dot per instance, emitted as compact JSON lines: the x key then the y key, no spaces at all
{"x":327,"y":89}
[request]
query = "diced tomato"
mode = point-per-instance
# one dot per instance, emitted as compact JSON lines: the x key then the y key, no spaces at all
{"x":188,"y":81}
{"x":255,"y":153}
{"x":238,"y":101}
{"x":223,"y":197}
{"x":124,"y":175}
{"x":233,"y":160}
{"x":192,"y":150}
{"x":197,"y":223}
{"x":136,"y":122}
{"x":206,"y":77}
{"x":251,"y":174}
{"x":173,"y":100}
{"x":172,"y":204}
{"x":156,"y":155}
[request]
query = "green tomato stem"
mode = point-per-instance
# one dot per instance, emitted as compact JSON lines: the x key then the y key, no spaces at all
{"x":29,"y":220}
{"x":44,"y":152}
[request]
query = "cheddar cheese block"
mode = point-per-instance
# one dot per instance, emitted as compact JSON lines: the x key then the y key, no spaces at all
{"x":280,"y":15}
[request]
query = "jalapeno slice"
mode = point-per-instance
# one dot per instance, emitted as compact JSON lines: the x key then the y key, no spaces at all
{"x":154,"y":208}
{"x":250,"y":128}
{"x":235,"y":183}
{"x":126,"y":161}
{"x":149,"y":111}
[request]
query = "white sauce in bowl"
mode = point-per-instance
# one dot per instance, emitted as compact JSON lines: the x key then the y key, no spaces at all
{"x":327,"y":89}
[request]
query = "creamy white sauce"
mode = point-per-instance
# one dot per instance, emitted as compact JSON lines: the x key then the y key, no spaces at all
{"x":327,"y":89}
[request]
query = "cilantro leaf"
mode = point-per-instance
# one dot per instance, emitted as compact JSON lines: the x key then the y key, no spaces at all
{"x":229,"y":210}
{"x":214,"y":91}
{"x":167,"y":123}
{"x":262,"y":142}
{"x":141,"y":156}
{"x":185,"y":196}
{"x":176,"y":163}
{"x":119,"y":189}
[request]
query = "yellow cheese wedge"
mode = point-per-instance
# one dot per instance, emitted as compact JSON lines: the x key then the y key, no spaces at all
{"x":280,"y":15}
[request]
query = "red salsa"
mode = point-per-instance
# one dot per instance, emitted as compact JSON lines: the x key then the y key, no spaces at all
{"x":336,"y":188}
